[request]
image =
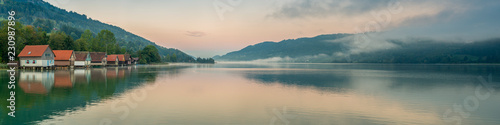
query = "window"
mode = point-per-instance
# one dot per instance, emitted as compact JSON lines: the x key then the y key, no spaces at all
{"x":27,"y":61}
{"x":34,"y":61}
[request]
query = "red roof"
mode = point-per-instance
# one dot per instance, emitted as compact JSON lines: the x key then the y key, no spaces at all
{"x":62,"y":54}
{"x":121,"y":58}
{"x":112,"y":58}
{"x":33,"y":50}
{"x":97,"y":56}
{"x":81,"y":56}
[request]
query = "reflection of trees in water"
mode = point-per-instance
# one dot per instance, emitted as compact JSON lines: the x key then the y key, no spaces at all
{"x":71,"y":90}
{"x":419,"y":78}
{"x":404,"y":77}
{"x":303,"y":79}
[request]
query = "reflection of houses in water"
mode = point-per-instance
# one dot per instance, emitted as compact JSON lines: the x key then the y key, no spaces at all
{"x":115,"y":72}
{"x":63,"y":79}
{"x":36,"y":82}
{"x":98,"y":75}
{"x":82,"y":76}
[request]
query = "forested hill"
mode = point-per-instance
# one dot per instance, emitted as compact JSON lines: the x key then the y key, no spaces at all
{"x":292,"y":48}
{"x":345,"y":48}
{"x":50,"y":18}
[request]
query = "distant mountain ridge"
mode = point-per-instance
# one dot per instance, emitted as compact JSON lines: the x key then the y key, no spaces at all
{"x":287,"y":48}
{"x":345,"y":48}
{"x":42,"y":14}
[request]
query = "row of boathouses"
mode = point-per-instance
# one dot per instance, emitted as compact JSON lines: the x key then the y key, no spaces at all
{"x":42,"y":56}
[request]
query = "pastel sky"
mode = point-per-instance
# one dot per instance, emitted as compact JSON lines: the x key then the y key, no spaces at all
{"x":198,"y":28}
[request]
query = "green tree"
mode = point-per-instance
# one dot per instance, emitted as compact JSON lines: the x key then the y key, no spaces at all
{"x":44,"y":24}
{"x":58,"y":41}
{"x":105,"y":41}
{"x":83,"y":44}
{"x":142,"y":61}
{"x":167,"y":58}
{"x":69,"y":43}
{"x":20,"y":40}
{"x":150,"y":54}
{"x":173,"y":58}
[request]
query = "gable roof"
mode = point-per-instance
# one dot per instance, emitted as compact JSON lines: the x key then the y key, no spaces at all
{"x":121,"y":58}
{"x":112,"y":58}
{"x":127,"y":57}
{"x":62,"y":54}
{"x":97,"y":56}
{"x":33,"y":50}
{"x":81,"y":55}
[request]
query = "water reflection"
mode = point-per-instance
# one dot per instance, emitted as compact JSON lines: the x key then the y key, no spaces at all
{"x":381,"y":94}
{"x":63,"y":79}
{"x":36,"y":82}
{"x":252,"y":94}
{"x":42,"y":95}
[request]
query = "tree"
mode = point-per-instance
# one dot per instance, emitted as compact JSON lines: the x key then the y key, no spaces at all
{"x":59,"y":41}
{"x":173,"y":58}
{"x":71,"y":31}
{"x":150,"y":54}
{"x":44,"y":24}
{"x":142,"y":61}
{"x":69,"y":43}
{"x":104,"y":41}
{"x":83,"y":44}
{"x":205,"y":60}
{"x":20,"y":40}
{"x":167,"y":58}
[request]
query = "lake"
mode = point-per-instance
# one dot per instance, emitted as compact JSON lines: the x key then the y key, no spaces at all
{"x":258,"y":94}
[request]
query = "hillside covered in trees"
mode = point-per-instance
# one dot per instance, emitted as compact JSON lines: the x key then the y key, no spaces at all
{"x":104,"y":41}
{"x":343,"y":48}
{"x":44,"y":17}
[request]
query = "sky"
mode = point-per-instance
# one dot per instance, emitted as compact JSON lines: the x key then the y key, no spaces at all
{"x":205,"y":28}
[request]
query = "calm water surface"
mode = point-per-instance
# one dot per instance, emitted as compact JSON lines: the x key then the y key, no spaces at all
{"x":258,"y":94}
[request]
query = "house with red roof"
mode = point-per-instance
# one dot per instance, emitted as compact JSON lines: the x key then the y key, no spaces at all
{"x":121,"y":59}
{"x":64,"y":58}
{"x":36,"y":56}
{"x":98,"y":58}
{"x":82,"y":59}
{"x":113,"y":60}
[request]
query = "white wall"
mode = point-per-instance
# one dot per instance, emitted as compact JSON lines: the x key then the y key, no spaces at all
{"x":80,"y":63}
{"x":38,"y":63}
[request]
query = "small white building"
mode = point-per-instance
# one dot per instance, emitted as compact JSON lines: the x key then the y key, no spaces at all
{"x":83,"y":59}
{"x":36,"y":56}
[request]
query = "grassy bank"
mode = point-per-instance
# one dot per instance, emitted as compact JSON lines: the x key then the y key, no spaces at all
{"x":3,"y":66}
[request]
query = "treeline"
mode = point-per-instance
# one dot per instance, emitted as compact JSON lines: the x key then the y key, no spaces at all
{"x":429,"y":51}
{"x":343,"y":48}
{"x":105,"y":41}
{"x":205,"y":60}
